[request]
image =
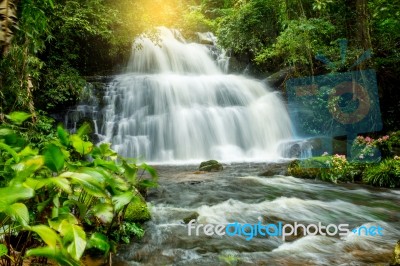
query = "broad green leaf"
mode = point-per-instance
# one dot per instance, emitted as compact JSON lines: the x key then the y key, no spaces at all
{"x":150,"y":170}
{"x":37,"y":183}
{"x":53,"y":253}
{"x":54,"y":158}
{"x":110,"y":165}
{"x":19,"y":212}
{"x":62,"y":183}
{"x":3,"y":250}
{"x":10,"y":195}
{"x":84,"y":130}
{"x":123,"y":199}
{"x":74,"y":237}
{"x":48,"y":235}
{"x":63,"y":136}
{"x":63,"y":216}
{"x":18,"y":117}
{"x":99,"y":241}
{"x":116,"y":183}
{"x":82,"y":147}
{"x":26,"y":169}
{"x":91,"y":185}
{"x":147,"y":183}
{"x":104,"y":212}
{"x":28,"y":151}
{"x":130,"y":172}
{"x":10,"y":150}
{"x":105,"y":151}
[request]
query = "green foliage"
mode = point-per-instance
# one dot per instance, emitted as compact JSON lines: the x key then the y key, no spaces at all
{"x":249,"y":27}
{"x":384,"y":174}
{"x":57,"y":193}
{"x":333,"y":169}
{"x":62,"y":86}
{"x":300,"y":42}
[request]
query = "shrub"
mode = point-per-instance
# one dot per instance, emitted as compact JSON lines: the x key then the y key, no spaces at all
{"x":384,"y":174}
{"x":71,"y":194}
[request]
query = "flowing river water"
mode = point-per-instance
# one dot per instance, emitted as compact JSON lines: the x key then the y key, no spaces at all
{"x":238,"y":194}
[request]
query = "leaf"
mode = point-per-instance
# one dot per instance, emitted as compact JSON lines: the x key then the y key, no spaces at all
{"x":62,"y":183}
{"x":18,"y":117}
{"x":10,"y":195}
{"x":74,"y":237}
{"x":104,"y":212}
{"x":28,"y":151}
{"x":130,"y":172}
{"x":91,"y":184}
{"x":53,"y":253}
{"x":19,"y":212}
{"x":54,"y":158}
{"x":10,"y":150}
{"x":4,"y":250}
{"x":83,"y":130}
{"x":115,"y":182}
{"x":48,"y":235}
{"x":110,"y":165}
{"x":27,"y":168}
{"x":82,"y":147}
{"x":36,"y":183}
{"x":123,"y":199}
{"x":99,"y":241}
{"x":63,"y":136}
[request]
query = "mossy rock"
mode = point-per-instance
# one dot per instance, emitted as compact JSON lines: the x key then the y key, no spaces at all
{"x":192,"y":216}
{"x":211,"y":166}
{"x":297,"y":170}
{"x":396,"y":255}
{"x":137,"y":211}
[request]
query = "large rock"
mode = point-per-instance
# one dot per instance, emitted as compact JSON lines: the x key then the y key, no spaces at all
{"x":396,"y":255}
{"x":211,"y":166}
{"x":137,"y":211}
{"x":277,"y":79}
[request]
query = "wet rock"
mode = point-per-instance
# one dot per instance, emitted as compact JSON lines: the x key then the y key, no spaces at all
{"x":273,"y":169}
{"x":211,"y":166}
{"x":137,"y":211}
{"x":396,"y":255}
{"x":192,"y":216}
{"x":277,"y":79}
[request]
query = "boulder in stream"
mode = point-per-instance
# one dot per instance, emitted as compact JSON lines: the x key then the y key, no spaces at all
{"x":211,"y":166}
{"x":396,"y":255}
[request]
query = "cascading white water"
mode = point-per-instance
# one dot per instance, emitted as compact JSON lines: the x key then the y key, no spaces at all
{"x":175,"y":104}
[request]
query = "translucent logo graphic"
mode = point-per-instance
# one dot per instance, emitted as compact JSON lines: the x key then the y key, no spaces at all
{"x":341,"y":104}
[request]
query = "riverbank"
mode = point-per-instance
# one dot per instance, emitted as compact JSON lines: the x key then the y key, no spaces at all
{"x":238,"y":194}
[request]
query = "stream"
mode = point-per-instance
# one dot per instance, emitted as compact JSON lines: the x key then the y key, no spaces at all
{"x":238,"y":194}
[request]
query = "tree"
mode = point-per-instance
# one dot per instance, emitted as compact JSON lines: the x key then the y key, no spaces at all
{"x":8,"y":21}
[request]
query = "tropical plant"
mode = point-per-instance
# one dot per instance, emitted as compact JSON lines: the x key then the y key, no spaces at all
{"x":60,"y":194}
{"x":384,"y":174}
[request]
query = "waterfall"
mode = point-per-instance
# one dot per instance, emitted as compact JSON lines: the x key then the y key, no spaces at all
{"x":176,"y":104}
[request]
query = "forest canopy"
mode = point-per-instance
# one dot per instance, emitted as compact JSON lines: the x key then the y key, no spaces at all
{"x":49,"y":46}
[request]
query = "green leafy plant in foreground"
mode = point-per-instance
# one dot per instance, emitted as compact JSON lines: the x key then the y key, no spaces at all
{"x":66,"y":197}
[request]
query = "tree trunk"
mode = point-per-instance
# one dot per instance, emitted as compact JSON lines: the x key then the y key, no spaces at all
{"x":362,"y":24}
{"x":8,"y":15}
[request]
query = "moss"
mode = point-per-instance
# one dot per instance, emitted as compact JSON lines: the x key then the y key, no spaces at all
{"x":211,"y":166}
{"x":192,"y":216}
{"x":297,"y":170}
{"x":396,"y":255}
{"x":137,"y":211}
